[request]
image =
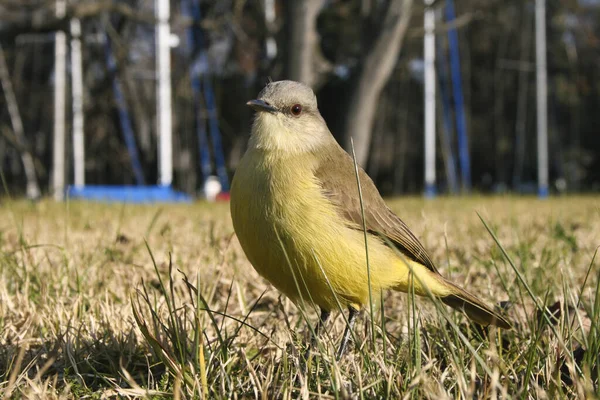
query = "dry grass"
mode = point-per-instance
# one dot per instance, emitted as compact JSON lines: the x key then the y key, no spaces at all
{"x":69,"y":274}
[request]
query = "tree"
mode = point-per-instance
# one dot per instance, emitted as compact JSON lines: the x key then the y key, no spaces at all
{"x":374,"y":72}
{"x":303,"y":43}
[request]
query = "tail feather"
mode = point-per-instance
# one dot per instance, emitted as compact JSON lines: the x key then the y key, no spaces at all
{"x":474,"y":308}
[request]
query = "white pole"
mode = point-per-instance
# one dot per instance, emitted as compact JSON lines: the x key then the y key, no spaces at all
{"x":429,"y":56}
{"x":271,"y":44}
{"x":60,"y":90}
{"x":77,"y":94}
{"x":163,"y":93}
{"x":542,"y":97}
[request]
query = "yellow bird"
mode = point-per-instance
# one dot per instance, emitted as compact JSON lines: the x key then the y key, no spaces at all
{"x":296,"y":211}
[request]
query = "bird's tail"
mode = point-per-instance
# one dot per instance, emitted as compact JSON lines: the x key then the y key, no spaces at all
{"x":474,"y":308}
{"x":452,"y":295}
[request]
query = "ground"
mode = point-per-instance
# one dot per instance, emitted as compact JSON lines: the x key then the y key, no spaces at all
{"x":91,"y":306}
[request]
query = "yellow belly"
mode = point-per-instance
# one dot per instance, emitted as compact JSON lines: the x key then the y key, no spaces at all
{"x":294,"y":237}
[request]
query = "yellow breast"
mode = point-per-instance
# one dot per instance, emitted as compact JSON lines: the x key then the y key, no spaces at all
{"x":295,"y":238}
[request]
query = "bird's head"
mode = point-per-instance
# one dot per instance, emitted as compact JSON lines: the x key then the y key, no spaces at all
{"x":288,"y":119}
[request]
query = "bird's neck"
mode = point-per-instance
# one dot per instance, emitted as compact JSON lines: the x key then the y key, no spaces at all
{"x":270,"y":133}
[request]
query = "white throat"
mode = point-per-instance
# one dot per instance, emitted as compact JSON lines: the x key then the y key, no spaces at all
{"x":272,"y":132}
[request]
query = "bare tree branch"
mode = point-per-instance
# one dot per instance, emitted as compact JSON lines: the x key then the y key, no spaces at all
{"x":33,"y":189}
{"x":457,"y":23}
{"x":44,"y":20}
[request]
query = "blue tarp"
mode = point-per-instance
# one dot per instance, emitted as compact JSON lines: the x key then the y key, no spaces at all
{"x":128,"y":194}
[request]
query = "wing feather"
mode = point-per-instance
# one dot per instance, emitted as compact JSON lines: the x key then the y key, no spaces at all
{"x":338,"y":180}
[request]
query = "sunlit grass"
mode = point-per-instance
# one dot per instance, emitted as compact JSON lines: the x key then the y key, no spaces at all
{"x":159,"y":301}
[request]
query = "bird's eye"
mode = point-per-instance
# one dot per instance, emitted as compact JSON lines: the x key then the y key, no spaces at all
{"x":296,"y":109}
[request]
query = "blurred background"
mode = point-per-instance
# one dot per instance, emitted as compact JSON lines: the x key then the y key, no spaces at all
{"x":80,"y":82}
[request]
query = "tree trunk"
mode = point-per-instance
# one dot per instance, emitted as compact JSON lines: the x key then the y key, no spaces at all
{"x":376,"y":69}
{"x":33,"y":189}
{"x":303,"y":40}
{"x":521,"y":119}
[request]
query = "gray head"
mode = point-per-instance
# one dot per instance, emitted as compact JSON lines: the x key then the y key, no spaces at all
{"x":287,"y":118}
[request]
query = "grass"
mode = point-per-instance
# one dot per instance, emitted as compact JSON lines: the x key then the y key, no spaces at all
{"x":123,"y":301}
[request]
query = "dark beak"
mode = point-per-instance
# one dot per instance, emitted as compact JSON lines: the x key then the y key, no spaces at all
{"x":260,"y":105}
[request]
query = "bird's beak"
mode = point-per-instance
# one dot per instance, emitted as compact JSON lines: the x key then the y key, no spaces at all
{"x":260,"y":105}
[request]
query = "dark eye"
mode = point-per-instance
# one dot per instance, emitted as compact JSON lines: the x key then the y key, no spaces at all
{"x":296,"y":109}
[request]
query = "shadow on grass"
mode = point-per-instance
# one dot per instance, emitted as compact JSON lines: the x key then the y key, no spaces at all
{"x":79,"y":363}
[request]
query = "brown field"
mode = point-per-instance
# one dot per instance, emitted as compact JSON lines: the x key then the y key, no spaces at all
{"x":70,"y":272}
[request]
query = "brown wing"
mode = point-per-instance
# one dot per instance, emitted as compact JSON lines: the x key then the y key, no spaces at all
{"x":337,"y":178}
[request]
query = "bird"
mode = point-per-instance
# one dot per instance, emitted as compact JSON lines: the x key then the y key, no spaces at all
{"x":296,"y":211}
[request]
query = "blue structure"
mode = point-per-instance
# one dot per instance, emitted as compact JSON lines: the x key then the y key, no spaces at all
{"x":199,"y":65}
{"x":124,"y":119}
{"x":430,"y":191}
{"x":461,"y":123}
{"x":447,"y":122}
{"x":201,"y":84}
{"x":128,"y":194}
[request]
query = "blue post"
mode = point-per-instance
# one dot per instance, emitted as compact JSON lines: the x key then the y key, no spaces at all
{"x":542,"y":97}
{"x":461,"y":123}
{"x":124,"y":119}
{"x":198,"y":66}
{"x":203,"y":146}
{"x":215,"y":133}
{"x":430,"y":191}
{"x":201,"y":67}
{"x":447,"y":121}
